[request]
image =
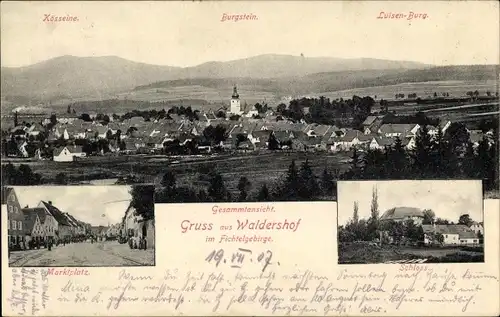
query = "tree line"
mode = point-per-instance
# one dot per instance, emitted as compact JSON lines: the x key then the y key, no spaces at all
{"x":450,"y":156}
{"x":299,"y":183}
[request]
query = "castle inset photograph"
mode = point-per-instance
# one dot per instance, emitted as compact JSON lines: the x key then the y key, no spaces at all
{"x":411,"y":221}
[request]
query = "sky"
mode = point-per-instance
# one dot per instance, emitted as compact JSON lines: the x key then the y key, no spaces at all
{"x":447,"y":198}
{"x":190,"y":33}
{"x":85,"y":203}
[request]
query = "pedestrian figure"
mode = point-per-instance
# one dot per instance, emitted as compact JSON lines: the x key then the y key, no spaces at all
{"x":50,"y":245}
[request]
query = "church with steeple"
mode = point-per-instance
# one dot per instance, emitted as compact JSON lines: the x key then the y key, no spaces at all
{"x":235,"y":103}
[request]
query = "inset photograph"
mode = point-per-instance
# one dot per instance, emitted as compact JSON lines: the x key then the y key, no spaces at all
{"x":65,"y":226}
{"x":410,"y":221}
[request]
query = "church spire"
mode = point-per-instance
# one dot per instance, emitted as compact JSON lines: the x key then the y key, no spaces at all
{"x":235,"y":93}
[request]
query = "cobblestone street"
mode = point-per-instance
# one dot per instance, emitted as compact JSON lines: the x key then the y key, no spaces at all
{"x":109,"y":253}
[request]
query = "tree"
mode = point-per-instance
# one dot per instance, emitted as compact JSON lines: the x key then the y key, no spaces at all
{"x":291,"y":186}
{"x":429,"y":216}
{"x":168,"y":180}
{"x":109,"y":135}
{"x":422,"y":150}
{"x":327,"y":183}
{"x":105,"y":119}
{"x":281,"y":108}
{"x":85,"y":117}
{"x":465,"y":220}
{"x":118,"y":135}
{"x":440,"y":221}
{"x":373,"y":222}
{"x":355,"y":214}
{"x":142,"y":201}
{"x":61,"y":179}
{"x":243,"y":186}
{"x":53,"y":120}
{"x":217,"y":189}
{"x":397,"y":231}
{"x":308,"y":186}
{"x":272,"y":143}
{"x":263,"y":194}
{"x":240,"y":137}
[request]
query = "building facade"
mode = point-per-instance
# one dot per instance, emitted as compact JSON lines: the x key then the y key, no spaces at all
{"x":15,"y":217}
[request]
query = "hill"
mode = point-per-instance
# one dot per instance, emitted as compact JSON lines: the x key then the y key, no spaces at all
{"x":69,"y":77}
{"x":335,"y":81}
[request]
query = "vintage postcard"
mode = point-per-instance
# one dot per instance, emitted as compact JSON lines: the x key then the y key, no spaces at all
{"x":251,"y":158}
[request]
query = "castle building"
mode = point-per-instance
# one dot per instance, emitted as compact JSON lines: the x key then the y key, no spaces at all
{"x":235,"y":103}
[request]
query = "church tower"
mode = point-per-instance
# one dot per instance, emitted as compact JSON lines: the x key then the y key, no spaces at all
{"x":235,"y":102}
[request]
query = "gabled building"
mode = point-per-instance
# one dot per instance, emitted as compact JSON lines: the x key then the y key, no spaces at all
{"x":33,"y":224}
{"x":68,"y":153}
{"x":401,"y":214}
{"x":58,"y":222}
{"x":15,"y":219}
{"x":452,"y":234}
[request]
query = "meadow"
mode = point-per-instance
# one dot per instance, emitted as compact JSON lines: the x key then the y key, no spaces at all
{"x":259,"y":168}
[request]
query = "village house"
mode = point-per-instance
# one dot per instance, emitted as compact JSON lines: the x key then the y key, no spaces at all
{"x":452,"y":234}
{"x":398,"y":130}
{"x":477,"y":227}
{"x":130,"y":223}
{"x":68,"y":153}
{"x":33,"y":225}
{"x":58,"y":223}
{"x":15,"y":217}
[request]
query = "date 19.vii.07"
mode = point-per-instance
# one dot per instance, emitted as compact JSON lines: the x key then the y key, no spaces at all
{"x":239,"y":257}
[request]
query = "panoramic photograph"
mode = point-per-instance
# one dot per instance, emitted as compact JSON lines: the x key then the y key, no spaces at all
{"x":410,"y":222}
{"x":232,"y":116}
{"x":99,"y":226}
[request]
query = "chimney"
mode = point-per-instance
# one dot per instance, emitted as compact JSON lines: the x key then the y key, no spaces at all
{"x":50,"y":202}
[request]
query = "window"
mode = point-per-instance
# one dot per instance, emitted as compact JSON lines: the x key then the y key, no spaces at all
{"x":14,"y":225}
{"x":16,"y":210}
{"x":10,"y":209}
{"x":20,"y":225}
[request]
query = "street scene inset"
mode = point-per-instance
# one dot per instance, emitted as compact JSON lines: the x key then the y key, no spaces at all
{"x":80,"y":225}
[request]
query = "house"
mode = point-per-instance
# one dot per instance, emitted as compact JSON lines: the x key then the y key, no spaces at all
{"x":351,"y":139}
{"x":259,"y":138}
{"x":245,"y":145}
{"x":477,"y":227}
{"x":452,"y":234}
{"x":68,"y":153}
{"x":381,"y":142}
{"x":391,"y":130}
{"x":60,"y":132}
{"x":33,"y":225}
{"x":130,"y":223}
{"x":21,"y":146}
{"x":35,"y":129}
{"x":56,"y":226}
{"x":368,"y":121}
{"x":147,"y":231}
{"x":475,"y":137}
{"x":401,"y":214}
{"x":15,"y":217}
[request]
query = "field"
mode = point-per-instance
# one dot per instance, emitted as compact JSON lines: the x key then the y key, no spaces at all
{"x":358,"y":253}
{"x":455,"y":88}
{"x":209,"y":94}
{"x":190,"y":171}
